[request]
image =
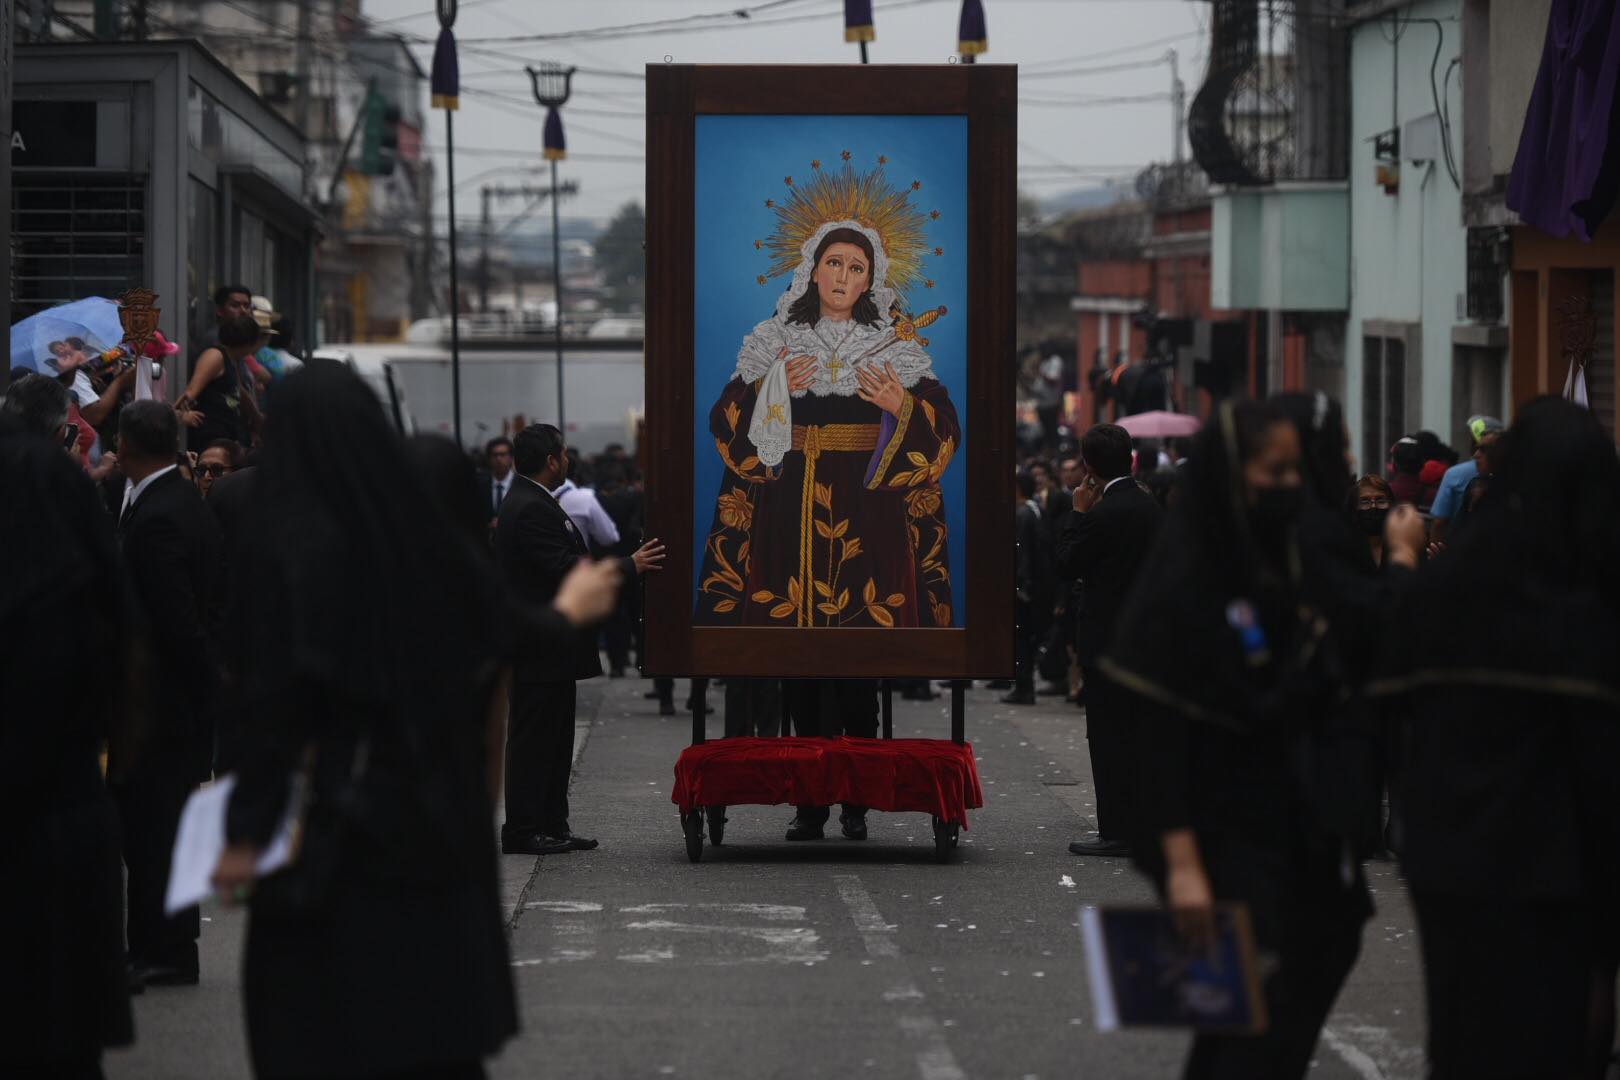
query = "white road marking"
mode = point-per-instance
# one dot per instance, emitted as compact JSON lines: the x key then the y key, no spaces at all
{"x":565,"y":907}
{"x":876,"y":934}
{"x":784,"y":944}
{"x":772,"y":912}
{"x":650,"y":956}
{"x":1353,"y":1056}
{"x":934,"y":1058}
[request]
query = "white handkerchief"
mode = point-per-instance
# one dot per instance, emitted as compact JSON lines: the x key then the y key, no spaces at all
{"x":771,"y":428}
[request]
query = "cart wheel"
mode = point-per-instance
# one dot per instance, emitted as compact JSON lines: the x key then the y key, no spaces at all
{"x":692,"y":826}
{"x":717,"y":825}
{"x":945,"y":834}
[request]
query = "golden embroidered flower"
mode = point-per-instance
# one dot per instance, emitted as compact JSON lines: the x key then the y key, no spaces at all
{"x":736,"y":512}
{"x":923,"y":502}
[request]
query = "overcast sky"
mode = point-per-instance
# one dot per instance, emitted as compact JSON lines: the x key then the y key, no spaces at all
{"x":1065,"y":142}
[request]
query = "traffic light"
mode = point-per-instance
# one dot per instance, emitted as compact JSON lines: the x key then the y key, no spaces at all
{"x":379,"y":151}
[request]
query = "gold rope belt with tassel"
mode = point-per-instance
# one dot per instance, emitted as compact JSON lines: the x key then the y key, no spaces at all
{"x":837,"y":436}
{"x":814,"y":440}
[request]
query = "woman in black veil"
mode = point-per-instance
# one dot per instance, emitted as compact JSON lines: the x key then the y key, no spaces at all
{"x":1229,"y":643}
{"x":377,"y":637}
{"x":63,"y":672}
{"x":1507,"y":678}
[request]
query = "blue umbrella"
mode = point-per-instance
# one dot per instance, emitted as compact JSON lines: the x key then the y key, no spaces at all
{"x":95,"y":319}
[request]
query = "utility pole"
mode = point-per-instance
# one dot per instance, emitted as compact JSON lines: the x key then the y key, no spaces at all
{"x":1178,"y":109}
{"x":490,"y":192}
{"x":552,"y":85}
{"x":301,"y":115}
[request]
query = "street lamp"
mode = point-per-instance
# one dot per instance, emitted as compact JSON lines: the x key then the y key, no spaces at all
{"x":446,"y":86}
{"x":552,"y":85}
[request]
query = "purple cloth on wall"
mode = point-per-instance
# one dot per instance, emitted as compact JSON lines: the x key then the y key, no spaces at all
{"x":1567,"y":170}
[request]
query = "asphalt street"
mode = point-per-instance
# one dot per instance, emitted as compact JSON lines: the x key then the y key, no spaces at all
{"x":830,"y":959}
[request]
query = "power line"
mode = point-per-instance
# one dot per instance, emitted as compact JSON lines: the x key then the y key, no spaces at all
{"x":1119,"y":50}
{"x":742,"y":16}
{"x":1081,"y":102}
{"x":1130,"y":65}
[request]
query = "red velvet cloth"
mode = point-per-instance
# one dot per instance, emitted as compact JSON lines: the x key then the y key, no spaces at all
{"x":930,"y":776}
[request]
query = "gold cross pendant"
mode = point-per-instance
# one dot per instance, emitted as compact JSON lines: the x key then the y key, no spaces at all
{"x":835,"y":366}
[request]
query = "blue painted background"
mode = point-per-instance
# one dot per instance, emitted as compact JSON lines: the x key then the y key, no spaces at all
{"x":741,"y":162}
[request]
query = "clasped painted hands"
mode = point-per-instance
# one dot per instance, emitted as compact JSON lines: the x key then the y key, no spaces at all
{"x":801,"y":371}
{"x":881,"y":388}
{"x":877,"y":386}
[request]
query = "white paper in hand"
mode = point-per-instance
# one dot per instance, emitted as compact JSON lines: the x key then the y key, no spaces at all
{"x":200,"y":841}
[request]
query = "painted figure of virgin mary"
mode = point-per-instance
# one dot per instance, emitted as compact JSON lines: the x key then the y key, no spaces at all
{"x":833,"y":429}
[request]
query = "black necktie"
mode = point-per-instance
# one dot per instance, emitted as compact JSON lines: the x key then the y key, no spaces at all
{"x":500,"y":494}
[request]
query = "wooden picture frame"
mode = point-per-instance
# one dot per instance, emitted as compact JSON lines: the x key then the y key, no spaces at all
{"x":980,"y":643}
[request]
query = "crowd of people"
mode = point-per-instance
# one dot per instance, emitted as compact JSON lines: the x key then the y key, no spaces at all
{"x":247,"y":609}
{"x":1285,"y":670}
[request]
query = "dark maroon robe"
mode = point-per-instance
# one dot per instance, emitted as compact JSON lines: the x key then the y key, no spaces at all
{"x":847,"y":531}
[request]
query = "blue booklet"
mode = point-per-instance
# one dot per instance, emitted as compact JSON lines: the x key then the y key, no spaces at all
{"x":1143,"y":974}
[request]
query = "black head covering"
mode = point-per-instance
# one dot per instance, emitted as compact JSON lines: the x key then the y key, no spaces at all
{"x":1535,"y":579}
{"x":367,"y":586}
{"x":1219,"y":623}
{"x":451,"y":481}
{"x":1320,"y":423}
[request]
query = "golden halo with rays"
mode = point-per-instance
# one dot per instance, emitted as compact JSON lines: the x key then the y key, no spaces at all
{"x":846,"y":195}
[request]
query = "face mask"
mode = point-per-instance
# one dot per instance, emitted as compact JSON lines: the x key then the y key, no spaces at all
{"x":1275,"y":508}
{"x":1370,"y":519}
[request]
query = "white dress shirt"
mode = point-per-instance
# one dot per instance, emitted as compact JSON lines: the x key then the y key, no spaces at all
{"x":133,"y":492}
{"x":590,"y":519}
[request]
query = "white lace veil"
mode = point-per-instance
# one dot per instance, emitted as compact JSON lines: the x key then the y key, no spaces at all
{"x":882,"y":295}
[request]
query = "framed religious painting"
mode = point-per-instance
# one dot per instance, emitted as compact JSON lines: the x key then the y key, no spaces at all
{"x":829,"y":426}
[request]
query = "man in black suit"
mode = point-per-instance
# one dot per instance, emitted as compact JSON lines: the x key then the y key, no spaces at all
{"x":1031,"y":612}
{"x":537,"y":543}
{"x":497,"y":478}
{"x":1104,"y":543}
{"x":172,"y":555}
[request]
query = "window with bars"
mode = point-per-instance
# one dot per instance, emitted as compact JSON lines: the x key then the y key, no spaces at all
{"x":75,"y":235}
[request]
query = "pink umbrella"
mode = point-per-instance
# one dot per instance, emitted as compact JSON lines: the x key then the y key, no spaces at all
{"x":1161,"y":425}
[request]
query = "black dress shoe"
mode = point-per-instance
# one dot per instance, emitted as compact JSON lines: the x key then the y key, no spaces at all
{"x":805,"y":830}
{"x":1018,"y":697}
{"x":536,"y":844}
{"x":164,"y":975}
{"x":579,"y":843}
{"x":1099,"y":846}
{"x":854,"y":826}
